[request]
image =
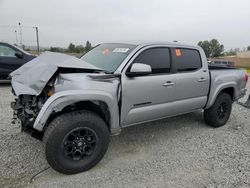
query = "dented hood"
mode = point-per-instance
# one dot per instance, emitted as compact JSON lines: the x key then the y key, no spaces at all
{"x":32,"y":77}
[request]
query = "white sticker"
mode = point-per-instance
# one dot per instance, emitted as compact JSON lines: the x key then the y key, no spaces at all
{"x":121,"y":50}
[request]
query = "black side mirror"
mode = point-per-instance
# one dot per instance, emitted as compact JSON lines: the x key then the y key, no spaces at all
{"x":19,"y":55}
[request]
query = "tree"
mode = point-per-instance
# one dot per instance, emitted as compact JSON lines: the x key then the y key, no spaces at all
{"x":56,"y":49}
{"x":212,"y":48}
{"x":248,"y":48}
{"x":232,"y":52}
{"x":206,"y":47}
{"x":216,"y":48}
{"x":79,"y":49}
{"x":71,"y":48}
{"x":88,"y":46}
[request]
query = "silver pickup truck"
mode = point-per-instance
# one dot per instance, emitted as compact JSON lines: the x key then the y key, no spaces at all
{"x":74,"y":105}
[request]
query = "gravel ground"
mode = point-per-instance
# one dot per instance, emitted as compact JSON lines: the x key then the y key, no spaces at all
{"x":175,"y":152}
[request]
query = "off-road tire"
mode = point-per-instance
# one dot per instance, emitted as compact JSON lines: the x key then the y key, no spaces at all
{"x":63,"y":125}
{"x":213,"y":115}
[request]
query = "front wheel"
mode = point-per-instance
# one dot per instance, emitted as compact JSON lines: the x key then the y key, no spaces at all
{"x":76,"y":141}
{"x":218,"y":114}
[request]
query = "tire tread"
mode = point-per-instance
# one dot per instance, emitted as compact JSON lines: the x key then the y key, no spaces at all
{"x":59,"y":124}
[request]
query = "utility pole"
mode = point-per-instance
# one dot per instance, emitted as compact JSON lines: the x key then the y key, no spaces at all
{"x":16,"y":37}
{"x":37,"y":40}
{"x":20,"y":32}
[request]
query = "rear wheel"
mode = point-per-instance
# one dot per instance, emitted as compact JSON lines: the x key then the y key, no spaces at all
{"x":75,"y":142}
{"x":218,"y":114}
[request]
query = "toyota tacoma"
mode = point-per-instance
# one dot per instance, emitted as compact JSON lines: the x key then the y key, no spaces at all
{"x":74,"y":105}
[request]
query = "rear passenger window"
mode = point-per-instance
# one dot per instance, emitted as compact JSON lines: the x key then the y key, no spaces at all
{"x":187,"y":59}
{"x":157,"y":58}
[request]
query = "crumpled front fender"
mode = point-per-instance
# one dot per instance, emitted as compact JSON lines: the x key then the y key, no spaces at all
{"x":64,"y":98}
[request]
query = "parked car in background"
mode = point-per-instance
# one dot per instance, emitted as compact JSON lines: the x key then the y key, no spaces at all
{"x":11,"y":58}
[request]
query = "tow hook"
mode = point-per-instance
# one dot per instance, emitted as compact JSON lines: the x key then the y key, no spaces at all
{"x":246,"y":104}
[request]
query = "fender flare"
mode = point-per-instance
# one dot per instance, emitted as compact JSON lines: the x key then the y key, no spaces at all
{"x":214,"y":94}
{"x":62,"y":99}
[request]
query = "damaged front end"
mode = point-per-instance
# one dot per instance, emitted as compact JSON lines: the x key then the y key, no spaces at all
{"x":25,"y":110}
{"x":33,"y":84}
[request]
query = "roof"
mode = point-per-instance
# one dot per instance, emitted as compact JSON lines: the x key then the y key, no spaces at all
{"x":147,"y":43}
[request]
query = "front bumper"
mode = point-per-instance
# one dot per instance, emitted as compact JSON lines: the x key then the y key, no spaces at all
{"x":28,"y":128}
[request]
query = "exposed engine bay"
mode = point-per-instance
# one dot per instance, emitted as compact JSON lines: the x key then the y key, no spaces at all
{"x":27,"y":107}
{"x":33,"y":90}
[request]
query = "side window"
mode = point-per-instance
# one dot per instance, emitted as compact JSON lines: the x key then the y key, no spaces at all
{"x":157,"y":58}
{"x":186,"y":59}
{"x":6,"y":51}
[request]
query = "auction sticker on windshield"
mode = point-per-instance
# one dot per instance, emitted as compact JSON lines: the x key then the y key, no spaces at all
{"x":121,"y":50}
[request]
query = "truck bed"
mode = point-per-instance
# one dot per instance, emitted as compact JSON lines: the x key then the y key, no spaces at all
{"x":216,"y":67}
{"x":219,"y":76}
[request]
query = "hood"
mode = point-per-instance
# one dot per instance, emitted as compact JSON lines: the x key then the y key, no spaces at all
{"x":32,"y":77}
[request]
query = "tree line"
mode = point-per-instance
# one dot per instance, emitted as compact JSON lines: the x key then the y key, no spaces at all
{"x":72,"y":48}
{"x":213,"y":48}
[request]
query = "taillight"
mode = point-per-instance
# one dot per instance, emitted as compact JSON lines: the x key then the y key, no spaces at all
{"x":246,"y":77}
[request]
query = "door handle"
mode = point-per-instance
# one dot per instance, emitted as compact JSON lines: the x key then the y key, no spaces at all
{"x":168,"y":83}
{"x":202,"y":80}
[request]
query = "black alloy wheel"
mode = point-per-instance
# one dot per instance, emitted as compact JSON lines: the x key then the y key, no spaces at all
{"x":79,"y":143}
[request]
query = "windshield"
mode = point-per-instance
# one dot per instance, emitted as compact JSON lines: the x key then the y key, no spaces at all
{"x":108,"y":56}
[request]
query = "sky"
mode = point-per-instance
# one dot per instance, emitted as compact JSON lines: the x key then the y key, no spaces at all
{"x":187,"y":21}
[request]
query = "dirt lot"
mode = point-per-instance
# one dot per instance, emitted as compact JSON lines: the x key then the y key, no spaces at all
{"x":175,"y":152}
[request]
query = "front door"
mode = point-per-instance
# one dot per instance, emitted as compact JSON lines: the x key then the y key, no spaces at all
{"x":148,"y":97}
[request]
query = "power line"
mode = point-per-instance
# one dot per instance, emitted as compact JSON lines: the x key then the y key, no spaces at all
{"x":14,"y":26}
{"x":16,"y":37}
{"x":37,"y":39}
{"x":20,"y":32}
{"x":8,"y":26}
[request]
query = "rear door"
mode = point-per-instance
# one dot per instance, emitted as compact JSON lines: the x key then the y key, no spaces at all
{"x":148,"y":97}
{"x":191,"y":79}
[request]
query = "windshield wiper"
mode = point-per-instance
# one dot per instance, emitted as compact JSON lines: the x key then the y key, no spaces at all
{"x":107,"y":72}
{"x":104,"y":76}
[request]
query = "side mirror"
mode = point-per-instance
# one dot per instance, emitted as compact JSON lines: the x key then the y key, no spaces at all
{"x":19,"y":54}
{"x":139,"y":69}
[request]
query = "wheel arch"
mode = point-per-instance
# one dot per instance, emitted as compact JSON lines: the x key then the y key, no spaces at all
{"x":98,"y":107}
{"x":230,"y":89}
{"x":99,"y":102}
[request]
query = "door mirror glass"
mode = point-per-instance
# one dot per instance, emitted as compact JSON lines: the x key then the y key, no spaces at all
{"x":139,"y":69}
{"x":19,"y":55}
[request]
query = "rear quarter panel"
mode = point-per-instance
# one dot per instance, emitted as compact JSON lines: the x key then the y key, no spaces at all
{"x":227,"y":78}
